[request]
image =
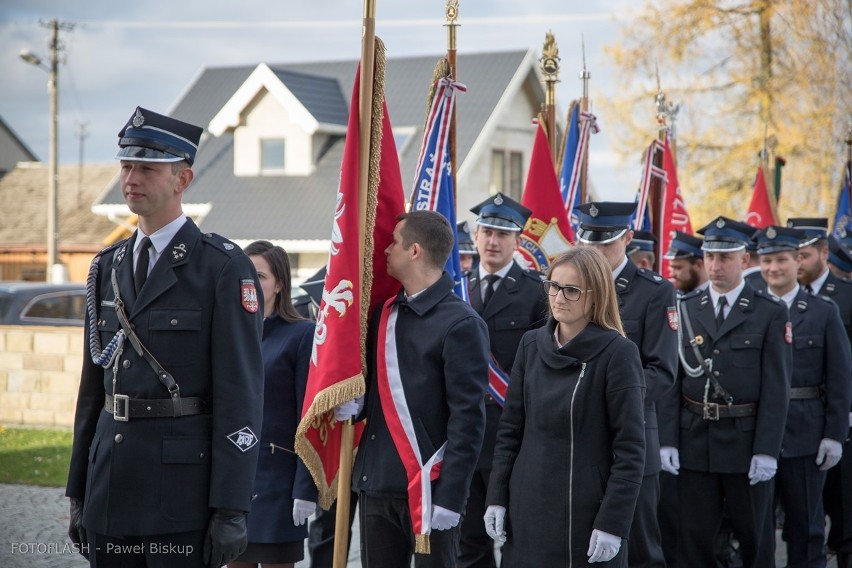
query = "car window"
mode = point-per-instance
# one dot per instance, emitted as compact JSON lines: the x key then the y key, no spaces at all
{"x":55,"y":306}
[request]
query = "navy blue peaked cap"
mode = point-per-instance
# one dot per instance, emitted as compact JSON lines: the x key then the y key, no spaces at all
{"x":684,"y":245}
{"x":466,"y":245}
{"x":603,"y":221}
{"x":815,"y":227}
{"x":642,"y":240}
{"x":152,"y":137}
{"x":839,"y":255}
{"x":501,"y":212}
{"x":778,"y":239}
{"x":724,"y":234}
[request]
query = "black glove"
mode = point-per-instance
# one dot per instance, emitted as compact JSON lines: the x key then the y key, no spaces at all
{"x":76,"y":532}
{"x":226,"y":537}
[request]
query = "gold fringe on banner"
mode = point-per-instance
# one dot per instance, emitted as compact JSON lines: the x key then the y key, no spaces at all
{"x":421,"y":544}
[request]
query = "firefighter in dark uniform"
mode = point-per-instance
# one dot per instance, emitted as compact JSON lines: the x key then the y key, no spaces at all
{"x":816,"y":278}
{"x":736,"y":364}
{"x":171,"y":392}
{"x":646,"y":302}
{"x":641,"y":249}
{"x":468,"y":257}
{"x":511,"y":301}
{"x":820,"y":397}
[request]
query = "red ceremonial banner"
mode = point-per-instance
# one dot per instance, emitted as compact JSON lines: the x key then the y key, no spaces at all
{"x":675,"y":216}
{"x":547,"y":232}
{"x":761,"y":210}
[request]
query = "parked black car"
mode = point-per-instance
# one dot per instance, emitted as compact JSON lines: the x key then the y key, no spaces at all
{"x":39,"y":303}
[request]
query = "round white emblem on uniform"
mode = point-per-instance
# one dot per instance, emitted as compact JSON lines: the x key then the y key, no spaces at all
{"x":771,"y":232}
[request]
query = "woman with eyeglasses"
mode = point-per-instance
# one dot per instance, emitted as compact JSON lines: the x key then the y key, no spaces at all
{"x":571,"y":442}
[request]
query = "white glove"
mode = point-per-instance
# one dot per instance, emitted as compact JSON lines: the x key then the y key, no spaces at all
{"x":349,"y":409}
{"x":670,"y":459}
{"x":443,"y":519}
{"x":603,"y":546}
{"x":762,"y":468}
{"x":302,"y":510}
{"x":495,"y":521}
{"x":829,"y":453}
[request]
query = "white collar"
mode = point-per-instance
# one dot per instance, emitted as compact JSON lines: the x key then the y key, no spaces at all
{"x":161,"y":237}
{"x":789,"y":296}
{"x":817,"y":284}
{"x":730,"y":296}
{"x":501,"y":273}
{"x":619,"y":268}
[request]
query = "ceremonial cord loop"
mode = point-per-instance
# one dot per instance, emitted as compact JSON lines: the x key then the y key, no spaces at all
{"x":105,"y":357}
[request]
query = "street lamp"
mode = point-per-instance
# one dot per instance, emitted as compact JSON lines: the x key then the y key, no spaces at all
{"x":55,"y":271}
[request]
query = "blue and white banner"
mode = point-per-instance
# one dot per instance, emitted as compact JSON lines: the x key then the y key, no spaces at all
{"x":580,"y":125}
{"x":842,"y":227}
{"x":433,"y":182}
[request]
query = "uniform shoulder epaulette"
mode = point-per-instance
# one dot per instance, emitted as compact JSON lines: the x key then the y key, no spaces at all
{"x":222,"y":244}
{"x":692,"y":294}
{"x":534,"y":275}
{"x":650,"y":275}
{"x":760,"y":293}
{"x":826,"y":299}
{"x":111,"y":247}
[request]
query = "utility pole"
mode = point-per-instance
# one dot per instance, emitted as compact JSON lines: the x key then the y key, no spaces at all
{"x":82,"y":134}
{"x":55,"y":272}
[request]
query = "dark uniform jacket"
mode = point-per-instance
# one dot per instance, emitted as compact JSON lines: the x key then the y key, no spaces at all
{"x":281,"y":475}
{"x":442,"y":347}
{"x":163,"y":475}
{"x":752,"y":359}
{"x":839,"y":290}
{"x":570,"y":446}
{"x":519,"y":304}
{"x":646,"y":302}
{"x":821,"y":358}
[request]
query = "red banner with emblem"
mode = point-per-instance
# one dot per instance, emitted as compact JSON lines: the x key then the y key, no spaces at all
{"x":761,"y":210}
{"x":336,"y":373}
{"x":674,"y":214}
{"x":547,"y":232}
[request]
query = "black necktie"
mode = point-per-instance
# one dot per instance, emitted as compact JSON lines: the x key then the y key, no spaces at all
{"x":809,"y":290}
{"x":141,"y":273}
{"x":720,"y":316}
{"x":490,"y":279}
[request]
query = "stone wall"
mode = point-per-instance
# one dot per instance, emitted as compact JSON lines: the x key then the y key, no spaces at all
{"x":39,"y":374}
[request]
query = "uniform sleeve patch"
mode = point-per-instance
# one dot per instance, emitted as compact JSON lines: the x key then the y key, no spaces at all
{"x":788,"y":333}
{"x":671,"y":316}
{"x":248,"y":295}
{"x":243,"y":438}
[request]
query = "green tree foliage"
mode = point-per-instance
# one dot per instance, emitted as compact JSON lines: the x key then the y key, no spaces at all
{"x":741,"y":69}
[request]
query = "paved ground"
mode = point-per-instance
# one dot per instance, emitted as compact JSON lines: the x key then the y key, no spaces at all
{"x":34,"y":522}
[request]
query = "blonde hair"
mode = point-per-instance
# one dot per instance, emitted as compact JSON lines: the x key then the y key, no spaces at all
{"x":597,"y":275}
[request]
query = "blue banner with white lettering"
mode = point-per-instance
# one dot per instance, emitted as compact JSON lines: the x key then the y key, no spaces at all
{"x":433,"y":182}
{"x":842,"y":227}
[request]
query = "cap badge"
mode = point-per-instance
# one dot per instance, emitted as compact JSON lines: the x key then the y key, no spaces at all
{"x":593,"y":211}
{"x":790,"y":224}
{"x":138,"y":119}
{"x":771,"y":232}
{"x":498,"y":200}
{"x":720,"y":223}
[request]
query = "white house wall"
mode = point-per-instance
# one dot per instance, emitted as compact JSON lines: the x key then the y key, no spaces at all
{"x":266,"y":118}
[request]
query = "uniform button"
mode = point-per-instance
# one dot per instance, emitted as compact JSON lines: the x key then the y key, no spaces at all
{"x":511,"y":323}
{"x":119,"y":438}
{"x":748,"y":341}
{"x":372,"y":436}
{"x":364,"y":478}
{"x":810,"y":341}
{"x":173,"y":322}
{"x":715,"y":373}
{"x":716,"y":352}
{"x":132,"y":326}
{"x":201,"y":456}
{"x":126,"y":364}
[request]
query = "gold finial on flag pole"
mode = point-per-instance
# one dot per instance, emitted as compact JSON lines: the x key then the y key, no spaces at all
{"x":550,"y":69}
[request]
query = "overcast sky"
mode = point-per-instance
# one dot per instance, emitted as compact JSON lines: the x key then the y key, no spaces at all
{"x":123,"y":54}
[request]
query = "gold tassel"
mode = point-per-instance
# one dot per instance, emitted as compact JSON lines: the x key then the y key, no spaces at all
{"x":421,"y":544}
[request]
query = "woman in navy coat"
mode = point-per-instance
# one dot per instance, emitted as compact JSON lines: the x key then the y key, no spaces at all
{"x":570,"y":448}
{"x":284,"y":493}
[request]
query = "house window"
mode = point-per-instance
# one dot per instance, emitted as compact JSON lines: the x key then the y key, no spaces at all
{"x":272,"y":154}
{"x":507,"y":171}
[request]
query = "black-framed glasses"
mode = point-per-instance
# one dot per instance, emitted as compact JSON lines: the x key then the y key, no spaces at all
{"x":569,"y":292}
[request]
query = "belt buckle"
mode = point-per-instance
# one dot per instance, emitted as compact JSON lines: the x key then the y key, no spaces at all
{"x":116,"y":414}
{"x":711,"y":411}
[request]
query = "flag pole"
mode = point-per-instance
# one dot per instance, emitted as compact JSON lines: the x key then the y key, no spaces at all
{"x":550,"y":69}
{"x":585,"y":75}
{"x":666,"y":113}
{"x":452,"y":14}
{"x":365,"y":108}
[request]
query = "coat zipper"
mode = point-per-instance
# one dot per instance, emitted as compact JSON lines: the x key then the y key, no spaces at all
{"x":571,"y":470}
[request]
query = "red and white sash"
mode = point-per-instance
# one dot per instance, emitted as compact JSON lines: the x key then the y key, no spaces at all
{"x":401,"y":427}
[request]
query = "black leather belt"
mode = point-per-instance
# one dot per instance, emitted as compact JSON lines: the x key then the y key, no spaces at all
{"x":801,"y":393}
{"x":713,"y":411}
{"x":124,"y":408}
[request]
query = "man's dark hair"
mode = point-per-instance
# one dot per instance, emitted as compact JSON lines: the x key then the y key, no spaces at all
{"x":431,"y":231}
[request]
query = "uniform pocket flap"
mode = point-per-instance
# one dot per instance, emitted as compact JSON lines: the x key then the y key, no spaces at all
{"x":807,"y":341}
{"x":746,"y":341}
{"x":175,"y":319}
{"x":186,"y":450}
